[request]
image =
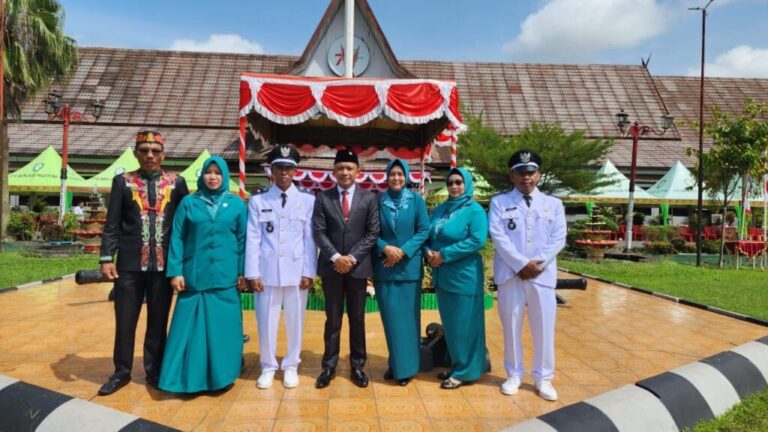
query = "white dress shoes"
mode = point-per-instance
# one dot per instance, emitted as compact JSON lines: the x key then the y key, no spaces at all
{"x":510,"y":386}
{"x":290,"y":378}
{"x":546,"y":390}
{"x":265,"y":380}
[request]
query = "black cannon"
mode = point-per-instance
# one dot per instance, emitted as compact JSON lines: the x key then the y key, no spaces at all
{"x":579,"y":283}
{"x":83,"y":277}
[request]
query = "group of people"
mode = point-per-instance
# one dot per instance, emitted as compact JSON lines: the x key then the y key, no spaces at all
{"x":208,"y":245}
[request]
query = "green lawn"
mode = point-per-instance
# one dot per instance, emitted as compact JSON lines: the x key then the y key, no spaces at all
{"x":18,"y":269}
{"x":744,"y":291}
{"x":751,"y":415}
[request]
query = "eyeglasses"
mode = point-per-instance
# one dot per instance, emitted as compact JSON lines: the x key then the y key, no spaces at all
{"x":455,"y":183}
{"x":145,"y":151}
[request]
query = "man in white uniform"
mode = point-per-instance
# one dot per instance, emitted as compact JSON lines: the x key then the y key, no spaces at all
{"x":280,"y":263}
{"x":528,"y":231}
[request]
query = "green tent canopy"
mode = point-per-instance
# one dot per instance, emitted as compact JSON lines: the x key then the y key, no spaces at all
{"x":192,"y":173}
{"x":43,"y":174}
{"x":103,"y":181}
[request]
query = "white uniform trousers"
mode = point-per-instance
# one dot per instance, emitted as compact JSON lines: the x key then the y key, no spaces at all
{"x":268,"y":304}
{"x":513,"y":296}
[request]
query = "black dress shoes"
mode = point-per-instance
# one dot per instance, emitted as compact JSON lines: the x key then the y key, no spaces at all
{"x":113,"y":384}
{"x":389,"y":375}
{"x":404,"y":382}
{"x":325,"y":377}
{"x":442,"y":376}
{"x":152,"y":382}
{"x":358,"y":377}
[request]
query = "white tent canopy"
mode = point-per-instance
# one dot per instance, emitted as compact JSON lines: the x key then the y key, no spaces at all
{"x":678,"y":184}
{"x":618,"y":191}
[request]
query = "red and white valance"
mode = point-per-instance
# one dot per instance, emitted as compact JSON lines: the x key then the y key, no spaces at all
{"x":321,"y":176}
{"x":289,"y":100}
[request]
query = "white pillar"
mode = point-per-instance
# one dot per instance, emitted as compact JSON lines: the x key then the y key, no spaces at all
{"x":349,"y":31}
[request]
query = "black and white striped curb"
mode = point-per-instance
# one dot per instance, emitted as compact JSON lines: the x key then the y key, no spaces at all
{"x":27,"y":407}
{"x":682,"y":301}
{"x":35,"y":283}
{"x":670,"y":401}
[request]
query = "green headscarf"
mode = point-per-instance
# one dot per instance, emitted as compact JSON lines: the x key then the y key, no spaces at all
{"x":213,"y":197}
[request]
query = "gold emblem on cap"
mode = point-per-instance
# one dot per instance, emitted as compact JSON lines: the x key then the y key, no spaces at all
{"x":525,"y":157}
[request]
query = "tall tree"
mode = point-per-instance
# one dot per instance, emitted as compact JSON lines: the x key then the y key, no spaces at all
{"x":566,"y":155}
{"x":739,"y":144}
{"x":36,"y":53}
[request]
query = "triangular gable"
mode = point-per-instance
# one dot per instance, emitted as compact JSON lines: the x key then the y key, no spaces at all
{"x":382,"y":60}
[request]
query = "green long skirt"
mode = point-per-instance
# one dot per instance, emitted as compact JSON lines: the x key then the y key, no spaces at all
{"x":400,"y":308}
{"x":205,"y":342}
{"x":463,"y":320}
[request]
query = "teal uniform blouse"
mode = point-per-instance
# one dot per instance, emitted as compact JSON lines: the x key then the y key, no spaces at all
{"x":459,"y":229}
{"x":405,"y":224}
{"x":208,"y":237}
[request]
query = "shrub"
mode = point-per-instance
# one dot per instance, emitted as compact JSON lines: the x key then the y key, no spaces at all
{"x":54,"y":232}
{"x":659,"y":248}
{"x":710,"y":246}
{"x":682,"y":246}
{"x":22,"y":225}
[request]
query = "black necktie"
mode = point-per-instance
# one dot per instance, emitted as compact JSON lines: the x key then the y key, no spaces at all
{"x":527,"y":199}
{"x":284,"y":196}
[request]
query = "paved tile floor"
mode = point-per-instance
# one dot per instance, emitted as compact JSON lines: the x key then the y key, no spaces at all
{"x":59,"y":336}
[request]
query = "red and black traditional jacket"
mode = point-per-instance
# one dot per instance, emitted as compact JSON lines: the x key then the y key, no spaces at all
{"x":139,"y":219}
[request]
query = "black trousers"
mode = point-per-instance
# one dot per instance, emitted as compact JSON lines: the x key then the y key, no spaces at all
{"x":130,"y":290}
{"x":338,"y":290}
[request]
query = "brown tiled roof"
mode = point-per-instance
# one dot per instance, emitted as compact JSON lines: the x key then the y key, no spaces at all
{"x":163,"y":88}
{"x":193,"y":99}
{"x":728,"y":94}
{"x":578,"y":97}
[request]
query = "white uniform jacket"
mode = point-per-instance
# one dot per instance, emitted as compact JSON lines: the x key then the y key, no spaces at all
{"x":521,"y":234}
{"x":279,"y":247}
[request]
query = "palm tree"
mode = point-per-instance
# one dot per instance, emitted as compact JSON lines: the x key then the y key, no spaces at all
{"x":36,"y":52}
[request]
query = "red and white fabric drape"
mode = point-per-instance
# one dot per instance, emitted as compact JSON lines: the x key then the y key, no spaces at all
{"x":289,"y":100}
{"x":323,"y":179}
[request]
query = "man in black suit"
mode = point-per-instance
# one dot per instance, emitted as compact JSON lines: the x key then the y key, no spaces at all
{"x":346,"y":226}
{"x":139,"y":219}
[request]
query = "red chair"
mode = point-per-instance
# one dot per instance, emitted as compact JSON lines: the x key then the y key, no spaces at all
{"x":621,"y":232}
{"x":756,"y":234}
{"x":686,"y":233}
{"x":638,"y":233}
{"x":709,"y":233}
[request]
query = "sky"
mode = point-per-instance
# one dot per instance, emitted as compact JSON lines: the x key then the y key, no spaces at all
{"x":516,"y":31}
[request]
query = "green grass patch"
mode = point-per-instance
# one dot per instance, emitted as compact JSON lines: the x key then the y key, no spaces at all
{"x":743,"y":291}
{"x":751,"y":415}
{"x":18,"y":269}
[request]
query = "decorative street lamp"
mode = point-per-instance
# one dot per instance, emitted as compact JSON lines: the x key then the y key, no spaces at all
{"x":55,"y":110}
{"x":636,"y":130}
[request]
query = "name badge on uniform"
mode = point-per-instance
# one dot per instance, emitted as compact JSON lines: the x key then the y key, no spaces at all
{"x":510,"y":214}
{"x":270,"y":227}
